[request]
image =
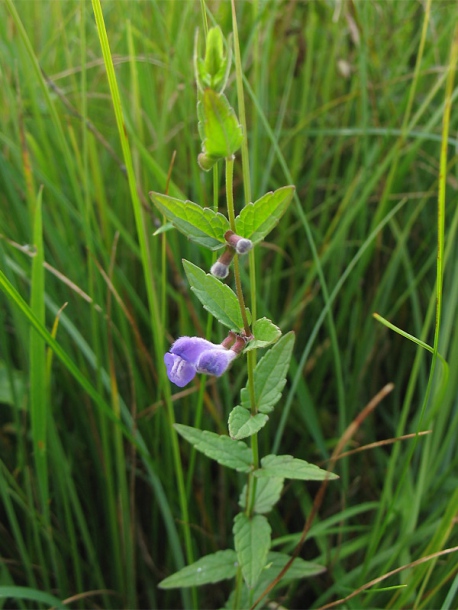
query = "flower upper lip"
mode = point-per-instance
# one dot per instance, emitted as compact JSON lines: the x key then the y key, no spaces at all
{"x":191,"y":355}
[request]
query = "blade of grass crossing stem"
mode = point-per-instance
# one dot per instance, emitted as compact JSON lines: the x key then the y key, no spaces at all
{"x":153,"y":299}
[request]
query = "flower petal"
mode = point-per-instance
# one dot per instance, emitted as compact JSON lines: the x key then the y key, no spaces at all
{"x":215,"y":361}
{"x":190,"y":348}
{"x":179,"y":371}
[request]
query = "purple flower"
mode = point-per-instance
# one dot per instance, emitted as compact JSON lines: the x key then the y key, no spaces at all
{"x":191,"y":355}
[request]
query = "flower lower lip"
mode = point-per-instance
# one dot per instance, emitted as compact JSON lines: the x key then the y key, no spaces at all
{"x":191,"y":355}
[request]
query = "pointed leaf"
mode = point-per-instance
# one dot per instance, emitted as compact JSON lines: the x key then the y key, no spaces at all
{"x":270,"y":375}
{"x":275,"y":563}
{"x":216,"y":297}
{"x":252,"y":543}
{"x":291,"y":468}
{"x":209,"y":569}
{"x":214,"y":71}
{"x":265,"y":333}
{"x":225,"y":450}
{"x":299,"y":568}
{"x":243,"y":424}
{"x":167,"y":226}
{"x":219,"y":125}
{"x":257,"y":220}
{"x":268,"y":492}
{"x":202,"y":225}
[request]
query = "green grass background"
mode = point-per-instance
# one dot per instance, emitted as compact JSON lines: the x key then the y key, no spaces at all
{"x":346,"y":101}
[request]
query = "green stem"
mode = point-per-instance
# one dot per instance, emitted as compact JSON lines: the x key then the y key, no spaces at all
{"x":238,"y":589}
{"x":251,"y":356}
{"x":252,"y":481}
{"x":230,"y":192}
{"x":231,"y":216}
{"x":244,"y":149}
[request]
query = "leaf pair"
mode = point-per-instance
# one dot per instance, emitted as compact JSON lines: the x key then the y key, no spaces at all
{"x":269,"y":381}
{"x":212,"y":71}
{"x":223,"y":565}
{"x":221,"y":301}
{"x":237,"y":455}
{"x":207,"y":228}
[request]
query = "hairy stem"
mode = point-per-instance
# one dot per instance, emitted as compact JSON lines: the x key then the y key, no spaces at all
{"x":231,"y":216}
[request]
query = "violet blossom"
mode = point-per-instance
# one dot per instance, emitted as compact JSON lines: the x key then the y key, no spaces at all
{"x":191,"y":355}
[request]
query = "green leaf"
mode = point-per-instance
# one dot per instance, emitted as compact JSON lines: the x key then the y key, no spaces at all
{"x":257,"y":220}
{"x":34,"y":595}
{"x":209,"y":569}
{"x":243,"y":424}
{"x":202,"y":225}
{"x":270,"y":376}
{"x":265,"y":333}
{"x":275,"y":563}
{"x":219,"y":126}
{"x":252,"y":543}
{"x":291,"y":468}
{"x":214,"y":52}
{"x":167,"y":226}
{"x":216,"y":297}
{"x":213,"y":71}
{"x":225,"y":450}
{"x":299,"y":568}
{"x":268,"y":492}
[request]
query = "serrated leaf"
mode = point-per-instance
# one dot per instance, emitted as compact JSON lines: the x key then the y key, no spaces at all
{"x":209,"y":569}
{"x":216,"y":297}
{"x":226,"y":451}
{"x":219,"y":126}
{"x":265,"y":333}
{"x":268,"y":492}
{"x":243,"y":424}
{"x":270,"y":376}
{"x":252,"y":543}
{"x":202,"y":225}
{"x":275,"y":563}
{"x":290,"y":467}
{"x":257,"y":219}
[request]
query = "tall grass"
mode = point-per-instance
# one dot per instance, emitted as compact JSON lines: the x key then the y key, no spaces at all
{"x":348,"y":101}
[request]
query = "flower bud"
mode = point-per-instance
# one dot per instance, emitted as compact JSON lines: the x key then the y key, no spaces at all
{"x":220,"y":269}
{"x":205,"y":161}
{"x":242,"y":245}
